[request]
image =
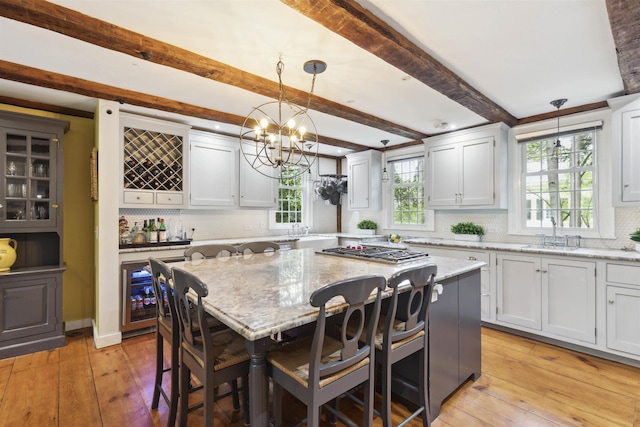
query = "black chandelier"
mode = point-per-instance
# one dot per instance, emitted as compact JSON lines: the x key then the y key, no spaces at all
{"x":280,"y":134}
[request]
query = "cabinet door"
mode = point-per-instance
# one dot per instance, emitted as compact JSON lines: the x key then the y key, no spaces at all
{"x":630,"y":156}
{"x":29,"y":179}
{"x":569,"y":299}
{"x":359,"y":179}
{"x":444,"y":175}
{"x":623,"y":319}
{"x":28,"y":307}
{"x":257,"y":190}
{"x":476,"y":173}
{"x":518,"y":286}
{"x":213,"y":175}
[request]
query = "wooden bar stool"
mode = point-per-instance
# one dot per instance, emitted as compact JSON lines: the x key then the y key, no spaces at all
{"x":318,"y":369}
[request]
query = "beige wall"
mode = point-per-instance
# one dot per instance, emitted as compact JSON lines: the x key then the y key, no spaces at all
{"x":78,"y":279}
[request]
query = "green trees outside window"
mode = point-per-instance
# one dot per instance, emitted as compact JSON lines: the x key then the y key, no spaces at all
{"x":558,"y":181}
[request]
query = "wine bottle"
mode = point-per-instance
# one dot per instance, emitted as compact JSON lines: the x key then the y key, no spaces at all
{"x":153,"y":231}
{"x":162,"y":231}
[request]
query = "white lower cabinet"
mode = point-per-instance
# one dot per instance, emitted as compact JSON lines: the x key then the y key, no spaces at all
{"x":623,"y":319}
{"x":554,"y":295}
{"x":623,"y":308}
{"x":487,"y":312}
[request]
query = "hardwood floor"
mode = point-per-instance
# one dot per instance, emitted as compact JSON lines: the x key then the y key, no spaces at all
{"x":523,"y":383}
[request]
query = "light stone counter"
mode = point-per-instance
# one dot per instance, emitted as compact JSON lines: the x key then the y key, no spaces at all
{"x":262,"y":294}
{"x":608,"y":254}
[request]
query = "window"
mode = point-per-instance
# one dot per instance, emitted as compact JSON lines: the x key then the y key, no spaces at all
{"x":558,"y":181}
{"x":290,"y":199}
{"x":407,"y":182}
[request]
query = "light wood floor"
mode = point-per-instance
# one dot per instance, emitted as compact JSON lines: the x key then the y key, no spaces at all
{"x":523,"y":383}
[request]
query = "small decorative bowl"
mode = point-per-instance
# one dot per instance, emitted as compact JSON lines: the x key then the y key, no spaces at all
{"x":394,"y":238}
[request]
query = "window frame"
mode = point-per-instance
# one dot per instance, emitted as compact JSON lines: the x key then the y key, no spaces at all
{"x":388,"y":199}
{"x":603,"y":212}
{"x":307,"y":207}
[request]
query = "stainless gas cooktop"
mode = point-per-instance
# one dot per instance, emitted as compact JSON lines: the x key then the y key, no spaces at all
{"x":381,"y":254}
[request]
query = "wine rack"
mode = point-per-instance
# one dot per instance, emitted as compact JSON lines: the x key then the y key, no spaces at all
{"x":152,"y":160}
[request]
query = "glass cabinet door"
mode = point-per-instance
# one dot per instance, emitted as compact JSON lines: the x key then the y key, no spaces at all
{"x":29,"y":179}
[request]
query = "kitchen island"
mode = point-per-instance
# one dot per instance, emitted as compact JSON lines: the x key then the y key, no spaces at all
{"x":263,"y":294}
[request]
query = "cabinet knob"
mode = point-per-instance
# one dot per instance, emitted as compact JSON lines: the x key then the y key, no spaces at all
{"x":610,"y":301}
{"x":626,"y":184}
{"x":544,"y":271}
{"x":537,"y":270}
{"x":55,"y":206}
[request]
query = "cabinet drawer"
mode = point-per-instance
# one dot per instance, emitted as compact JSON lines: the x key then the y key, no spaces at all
{"x":620,"y":273}
{"x":169,"y":198}
{"x":138,"y":197}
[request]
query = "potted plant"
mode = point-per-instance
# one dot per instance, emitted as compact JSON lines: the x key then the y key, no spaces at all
{"x":366,"y":226}
{"x":467,"y":231}
{"x":635,"y":236}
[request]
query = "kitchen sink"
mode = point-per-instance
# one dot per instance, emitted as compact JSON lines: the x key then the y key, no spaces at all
{"x":550,"y":247}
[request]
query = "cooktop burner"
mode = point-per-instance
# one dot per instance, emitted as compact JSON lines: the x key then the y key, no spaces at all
{"x":389,"y":255}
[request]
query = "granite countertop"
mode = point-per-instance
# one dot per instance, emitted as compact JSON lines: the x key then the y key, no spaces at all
{"x":267,"y":293}
{"x":609,"y":254}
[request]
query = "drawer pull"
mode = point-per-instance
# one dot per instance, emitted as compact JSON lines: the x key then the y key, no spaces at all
{"x":472,"y":258}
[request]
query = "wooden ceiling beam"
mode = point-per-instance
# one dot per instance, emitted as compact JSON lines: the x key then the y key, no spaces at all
{"x":624,"y":18}
{"x":100,"y":33}
{"x":350,"y":20}
{"x":36,"y":77}
{"x":46,"y":107}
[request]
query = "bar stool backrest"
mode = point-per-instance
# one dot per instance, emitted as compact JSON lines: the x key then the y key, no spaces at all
{"x":411,"y":307}
{"x":209,"y":251}
{"x":161,"y":275}
{"x":258,"y":247}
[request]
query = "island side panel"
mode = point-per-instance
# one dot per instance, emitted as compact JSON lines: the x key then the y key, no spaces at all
{"x":469,"y":334}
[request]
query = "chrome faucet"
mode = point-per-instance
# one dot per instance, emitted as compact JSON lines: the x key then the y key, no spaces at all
{"x":553,"y":221}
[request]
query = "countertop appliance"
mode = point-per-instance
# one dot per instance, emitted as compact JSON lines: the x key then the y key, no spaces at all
{"x":381,"y":254}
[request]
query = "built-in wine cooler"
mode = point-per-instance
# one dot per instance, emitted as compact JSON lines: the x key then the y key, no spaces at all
{"x":138,"y":298}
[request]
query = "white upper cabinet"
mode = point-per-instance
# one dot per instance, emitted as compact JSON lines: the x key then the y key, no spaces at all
{"x":468,"y":169}
{"x":625,"y":118}
{"x":365,"y":180}
{"x":213,"y":170}
{"x":152,"y":163}
{"x":257,"y":190}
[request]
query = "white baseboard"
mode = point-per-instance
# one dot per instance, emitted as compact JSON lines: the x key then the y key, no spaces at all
{"x":77,"y":324}
{"x":105,"y":340}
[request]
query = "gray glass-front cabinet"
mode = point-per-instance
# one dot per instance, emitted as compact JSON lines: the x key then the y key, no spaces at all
{"x":31,"y":214}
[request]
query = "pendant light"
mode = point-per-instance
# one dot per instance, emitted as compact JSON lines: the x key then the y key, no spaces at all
{"x":385,"y":174}
{"x":558,"y":103}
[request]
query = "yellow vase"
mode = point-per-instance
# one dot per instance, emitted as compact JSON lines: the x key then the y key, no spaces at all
{"x":7,"y":253}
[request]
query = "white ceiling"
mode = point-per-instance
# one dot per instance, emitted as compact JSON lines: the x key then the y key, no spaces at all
{"x":521,"y":54}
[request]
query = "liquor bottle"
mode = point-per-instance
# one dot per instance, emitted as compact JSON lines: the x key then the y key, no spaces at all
{"x":153,"y":231}
{"x":162,"y":231}
{"x":147,"y":298}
